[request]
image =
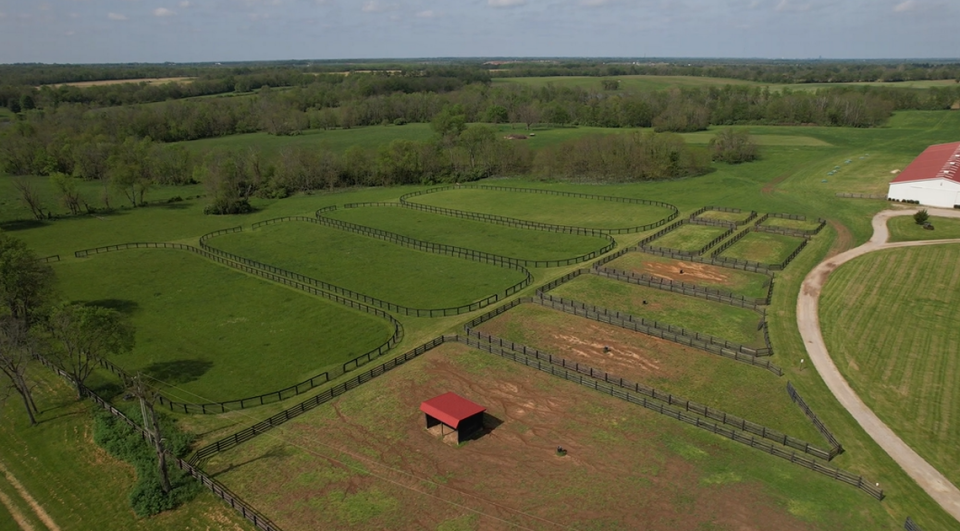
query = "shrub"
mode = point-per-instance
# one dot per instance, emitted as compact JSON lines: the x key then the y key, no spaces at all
{"x":733,"y":147}
{"x":921,"y":217}
{"x":223,"y":206}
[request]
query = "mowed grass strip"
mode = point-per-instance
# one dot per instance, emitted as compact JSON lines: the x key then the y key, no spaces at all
{"x":738,"y":325}
{"x":904,"y":229}
{"x":365,"y":461}
{"x":734,"y":280}
{"x":890,"y":321}
{"x":689,"y":237}
{"x":377,"y":268}
{"x":763,"y":247}
{"x":501,"y":240}
{"x":547,"y":208}
{"x":214,"y":333}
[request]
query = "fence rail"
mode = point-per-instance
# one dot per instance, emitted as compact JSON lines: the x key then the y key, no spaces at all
{"x":910,"y":525}
{"x":49,"y":259}
{"x":694,"y":420}
{"x":491,"y":218}
{"x":835,"y":447}
{"x":288,"y":392}
{"x":684,"y":288}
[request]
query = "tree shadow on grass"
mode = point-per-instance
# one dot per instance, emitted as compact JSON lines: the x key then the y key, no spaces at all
{"x":177,"y":372}
{"x":124,"y":306}
{"x":22,"y":224}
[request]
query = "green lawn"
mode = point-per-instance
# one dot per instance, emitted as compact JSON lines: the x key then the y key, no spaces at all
{"x":889,"y":319}
{"x":741,"y":282}
{"x":214,"y":334}
{"x":689,"y":237}
{"x":734,"y":217}
{"x":546,"y":208}
{"x":496,"y":239}
{"x":377,"y":268}
{"x":806,"y":224}
{"x":77,"y":484}
{"x":696,"y":315}
{"x":763,"y":247}
{"x":904,"y":229}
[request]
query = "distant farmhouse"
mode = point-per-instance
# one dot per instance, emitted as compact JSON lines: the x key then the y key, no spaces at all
{"x":932,"y":179}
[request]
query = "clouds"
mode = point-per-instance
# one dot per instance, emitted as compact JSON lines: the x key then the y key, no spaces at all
{"x":163,"y":12}
{"x":505,"y":3}
{"x":116,"y":16}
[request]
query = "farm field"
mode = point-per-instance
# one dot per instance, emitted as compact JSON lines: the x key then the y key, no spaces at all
{"x":376,"y":467}
{"x":546,"y":208}
{"x":731,"y":323}
{"x":899,"y":346}
{"x":737,"y":281}
{"x":496,"y":239}
{"x":76,"y":483}
{"x":904,"y":229}
{"x":147,"y":80}
{"x":763,"y":247}
{"x":211,"y":333}
{"x":689,"y":237}
{"x":377,"y":268}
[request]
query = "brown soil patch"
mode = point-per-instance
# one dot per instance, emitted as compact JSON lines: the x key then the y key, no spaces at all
{"x":692,"y":271}
{"x":844,"y":239}
{"x":771,"y":186}
{"x":617,"y":474}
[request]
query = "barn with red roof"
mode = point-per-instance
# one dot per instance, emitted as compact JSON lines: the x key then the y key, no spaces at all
{"x":932,"y":179}
{"x":455,"y":412}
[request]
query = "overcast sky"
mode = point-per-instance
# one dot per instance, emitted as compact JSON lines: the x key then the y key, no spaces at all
{"x":103,"y":31}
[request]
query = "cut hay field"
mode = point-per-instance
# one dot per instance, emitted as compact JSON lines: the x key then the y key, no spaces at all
{"x":365,"y":461}
{"x":496,"y":239}
{"x":731,"y":323}
{"x":689,"y":237}
{"x":763,"y":247}
{"x":546,"y":208}
{"x":890,"y":320}
{"x":740,"y":282}
{"x":377,"y":268}
{"x":904,"y":229}
{"x":214,"y":334}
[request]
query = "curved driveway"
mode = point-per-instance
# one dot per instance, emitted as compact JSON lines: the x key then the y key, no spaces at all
{"x":808,"y":320}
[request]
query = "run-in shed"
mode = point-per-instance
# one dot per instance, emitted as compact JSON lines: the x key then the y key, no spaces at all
{"x":455,"y":412}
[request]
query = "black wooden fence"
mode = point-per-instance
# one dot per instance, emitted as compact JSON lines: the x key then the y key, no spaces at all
{"x":694,"y":420}
{"x":697,"y":215}
{"x":788,"y":231}
{"x":685,"y":288}
{"x":910,"y":525}
{"x":835,"y":447}
{"x":288,"y":392}
{"x":698,"y":252}
{"x":264,"y":426}
{"x":49,"y":259}
{"x":491,"y":218}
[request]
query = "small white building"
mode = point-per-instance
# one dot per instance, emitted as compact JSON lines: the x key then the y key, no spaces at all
{"x":932,"y":179}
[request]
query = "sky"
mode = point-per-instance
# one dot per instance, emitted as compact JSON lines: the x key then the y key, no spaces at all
{"x":120,"y":31}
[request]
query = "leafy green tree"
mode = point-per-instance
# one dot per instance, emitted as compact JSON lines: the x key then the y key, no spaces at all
{"x":733,"y":147}
{"x":29,"y":195}
{"x":131,"y":169}
{"x":80,"y":335}
{"x":66,"y":186}
{"x":26,"y":284}
{"x":496,"y":114}
{"x":921,"y":217}
{"x":450,"y":122}
{"x":16,"y":349}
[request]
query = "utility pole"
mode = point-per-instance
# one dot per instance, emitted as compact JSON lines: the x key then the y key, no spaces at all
{"x":152,"y":428}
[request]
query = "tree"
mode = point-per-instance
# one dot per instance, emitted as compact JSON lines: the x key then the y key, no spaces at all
{"x":26,"y":284}
{"x":29,"y":195}
{"x":81,"y":335}
{"x":449,"y":123}
{"x":610,"y":84}
{"x":733,"y":147}
{"x":130,"y":169}
{"x":16,"y":349}
{"x":921,"y":216}
{"x":69,"y":195}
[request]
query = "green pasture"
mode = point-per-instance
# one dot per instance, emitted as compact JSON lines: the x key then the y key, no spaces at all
{"x":763,"y":247}
{"x":496,"y":239}
{"x":207,"y":333}
{"x":333,"y":459}
{"x":79,"y":485}
{"x":889,"y":320}
{"x":740,"y":282}
{"x":733,"y":217}
{"x":694,"y":314}
{"x":377,"y":268}
{"x":804,"y":224}
{"x":547,"y":208}
{"x":904,"y":229}
{"x":689,"y":237}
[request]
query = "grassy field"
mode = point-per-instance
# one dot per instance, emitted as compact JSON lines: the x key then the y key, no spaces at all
{"x":497,"y":239}
{"x":365,"y":461}
{"x":76,"y":483}
{"x":214,"y":334}
{"x":904,"y":229}
{"x":377,"y":268}
{"x":689,"y":237}
{"x":546,"y":208}
{"x":899,"y":346}
{"x":725,"y":216}
{"x":740,"y":282}
{"x":805,"y":224}
{"x":763,"y":247}
{"x":697,"y":315}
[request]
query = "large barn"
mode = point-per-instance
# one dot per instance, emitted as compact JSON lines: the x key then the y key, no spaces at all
{"x":932,"y":179}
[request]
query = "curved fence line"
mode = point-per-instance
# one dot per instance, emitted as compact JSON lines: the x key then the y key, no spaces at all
{"x":492,"y":218}
{"x":275,"y":396}
{"x":611,"y":243}
{"x":367,"y":299}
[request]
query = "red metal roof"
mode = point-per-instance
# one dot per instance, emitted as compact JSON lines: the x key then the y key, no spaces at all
{"x":941,"y":161}
{"x":450,"y":409}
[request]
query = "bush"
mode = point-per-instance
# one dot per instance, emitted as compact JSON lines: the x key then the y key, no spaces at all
{"x":733,"y":147}
{"x":921,"y":217}
{"x":225,"y":206}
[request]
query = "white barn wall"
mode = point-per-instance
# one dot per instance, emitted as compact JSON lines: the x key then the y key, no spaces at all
{"x":941,"y":193}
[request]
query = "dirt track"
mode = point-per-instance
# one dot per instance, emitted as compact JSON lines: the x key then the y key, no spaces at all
{"x":808,"y":320}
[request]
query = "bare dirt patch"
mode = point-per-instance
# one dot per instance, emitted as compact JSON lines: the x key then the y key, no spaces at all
{"x":771,"y":185}
{"x":844,"y":239}
{"x":688,"y":272}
